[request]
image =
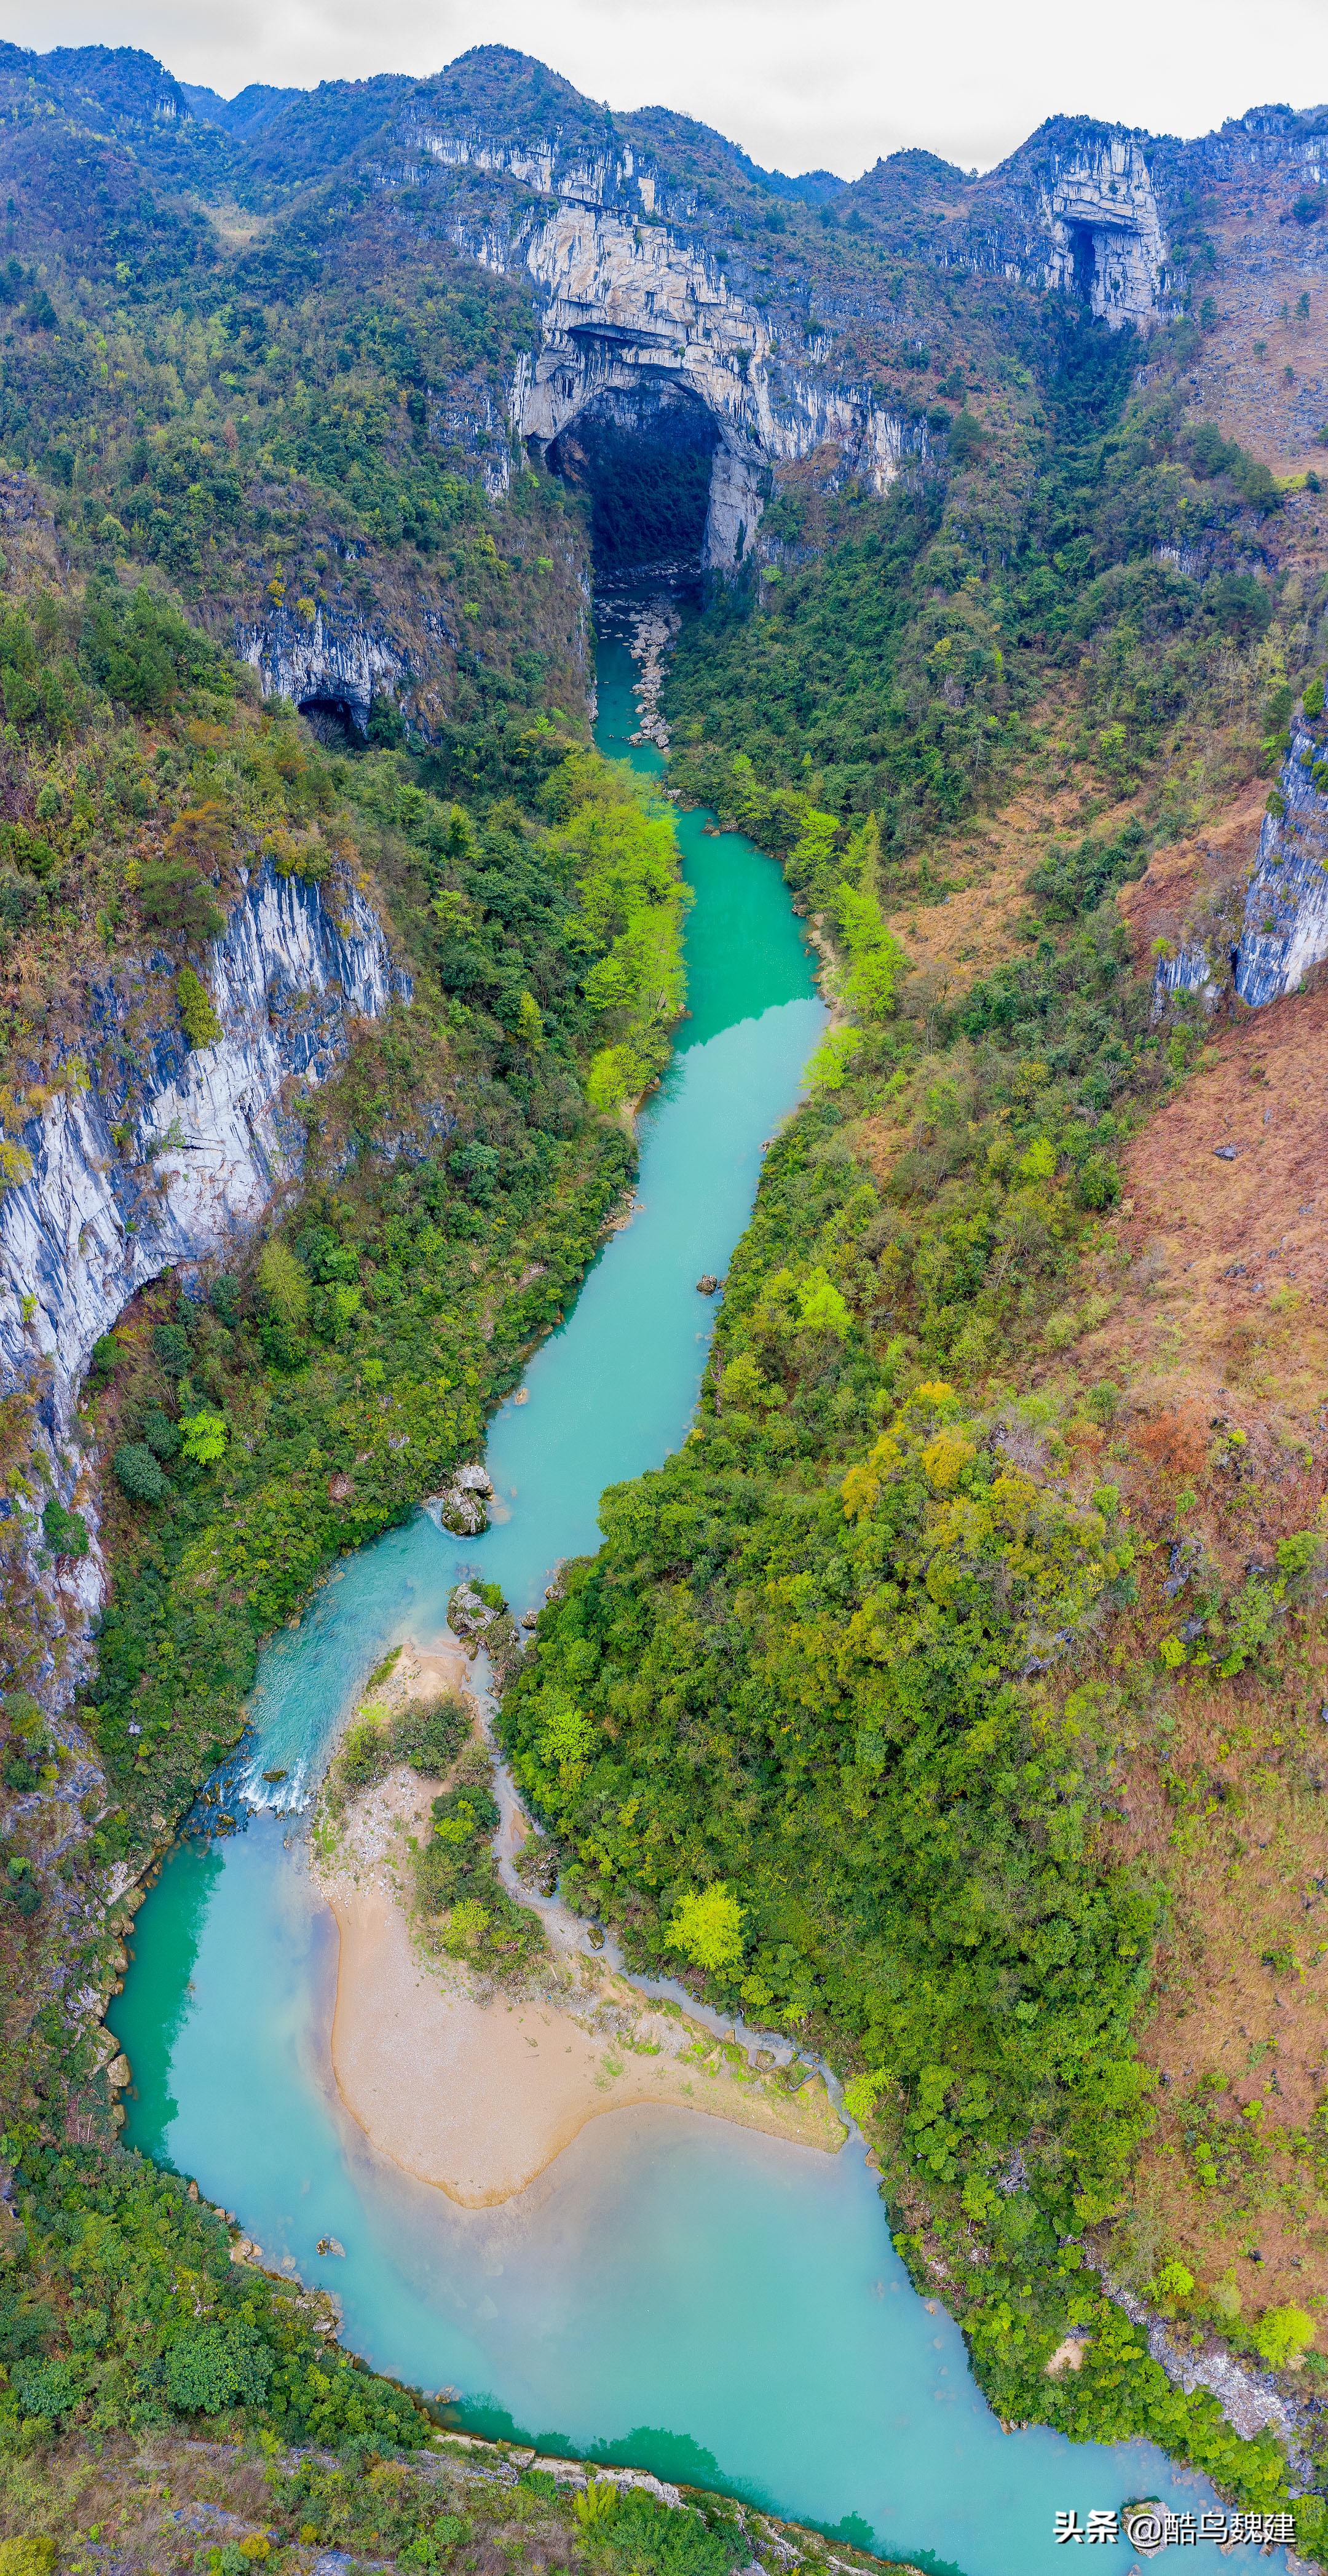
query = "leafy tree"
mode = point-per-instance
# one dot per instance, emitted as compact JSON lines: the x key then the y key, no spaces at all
{"x":821,"y":1308}
{"x":967,"y":438}
{"x":161,"y":1434}
{"x":174,"y":899}
{"x":284,"y":1283}
{"x":203,"y":1437}
{"x":138,"y":1473}
{"x":707,"y":1927}
{"x":1282,"y":2335}
{"x":212,"y":2368}
{"x":22,"y":1890}
{"x":170,"y":1343}
{"x":201,"y":1024}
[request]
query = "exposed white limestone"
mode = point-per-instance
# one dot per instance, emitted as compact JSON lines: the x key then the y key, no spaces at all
{"x":1106,"y":232}
{"x":338,"y":662}
{"x":1286,"y":908}
{"x":1189,"y":971}
{"x":203,"y":1137}
{"x":629,"y":308}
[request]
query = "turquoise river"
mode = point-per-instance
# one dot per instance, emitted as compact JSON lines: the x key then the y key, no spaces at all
{"x":672,"y":2293}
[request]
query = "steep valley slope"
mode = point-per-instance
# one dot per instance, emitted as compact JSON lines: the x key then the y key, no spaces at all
{"x":954,"y":1700}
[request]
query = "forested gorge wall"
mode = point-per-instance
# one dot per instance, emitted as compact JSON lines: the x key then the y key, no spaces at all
{"x":990,"y":1583}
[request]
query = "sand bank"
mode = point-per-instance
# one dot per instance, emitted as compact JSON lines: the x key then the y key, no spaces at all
{"x":476,"y":2092}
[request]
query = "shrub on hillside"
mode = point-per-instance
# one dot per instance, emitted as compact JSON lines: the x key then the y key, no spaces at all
{"x":65,"y":1532}
{"x":201,"y":1024}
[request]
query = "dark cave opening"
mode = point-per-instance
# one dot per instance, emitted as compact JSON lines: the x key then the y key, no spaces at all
{"x":1083,"y":252}
{"x":643,"y":461}
{"x":333,"y":721}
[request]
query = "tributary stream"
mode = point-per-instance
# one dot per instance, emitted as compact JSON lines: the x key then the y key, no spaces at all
{"x":673,"y":2292}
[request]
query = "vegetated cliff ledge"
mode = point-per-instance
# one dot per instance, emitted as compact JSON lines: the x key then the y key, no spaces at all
{"x":152,"y":1153}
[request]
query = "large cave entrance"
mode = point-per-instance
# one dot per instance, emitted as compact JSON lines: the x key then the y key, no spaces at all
{"x":644,"y":462}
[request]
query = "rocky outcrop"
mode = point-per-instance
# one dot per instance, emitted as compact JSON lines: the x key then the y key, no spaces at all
{"x":336,"y":665}
{"x":1106,"y":232}
{"x":463,"y":1508}
{"x":647,"y":627}
{"x":634,"y":302}
{"x":1248,"y":2398}
{"x":1189,"y":971}
{"x":1076,"y":211}
{"x":1286,"y":909}
{"x":1086,"y":210}
{"x":154,"y":1154}
{"x":638,"y":289}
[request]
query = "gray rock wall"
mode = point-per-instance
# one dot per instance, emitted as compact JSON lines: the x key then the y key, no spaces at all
{"x":208,"y":1139}
{"x":1189,"y":971}
{"x":1285,"y":930}
{"x":1106,"y":232}
{"x":1076,"y":211}
{"x":626,"y":308}
{"x":338,"y":661}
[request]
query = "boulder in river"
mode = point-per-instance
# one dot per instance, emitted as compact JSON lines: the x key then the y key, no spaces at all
{"x":468,"y":1613}
{"x":461,"y":1508}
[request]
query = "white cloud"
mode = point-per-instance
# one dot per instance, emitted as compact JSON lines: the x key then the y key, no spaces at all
{"x":799,"y":83}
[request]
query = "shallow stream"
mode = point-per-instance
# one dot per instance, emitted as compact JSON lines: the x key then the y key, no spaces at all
{"x":673,"y":2292}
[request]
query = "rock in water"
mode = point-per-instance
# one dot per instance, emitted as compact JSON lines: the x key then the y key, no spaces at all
{"x":461,"y":1509}
{"x":468,"y":1613}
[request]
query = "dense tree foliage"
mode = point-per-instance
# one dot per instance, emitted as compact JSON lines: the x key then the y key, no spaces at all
{"x":903,"y":668}
{"x":124,"y":2308}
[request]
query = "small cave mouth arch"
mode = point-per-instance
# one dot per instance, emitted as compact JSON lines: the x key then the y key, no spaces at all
{"x":645,"y":462}
{"x":333,"y":720}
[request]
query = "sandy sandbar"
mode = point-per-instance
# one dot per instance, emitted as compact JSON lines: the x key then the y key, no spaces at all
{"x":475,"y":2092}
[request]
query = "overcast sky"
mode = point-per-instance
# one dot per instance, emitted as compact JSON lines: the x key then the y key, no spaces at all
{"x":800,"y":84}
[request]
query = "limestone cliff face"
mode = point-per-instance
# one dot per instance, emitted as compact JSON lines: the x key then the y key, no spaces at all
{"x":1267,"y":927}
{"x":1086,"y":210}
{"x":635,"y":291}
{"x":1106,"y":232}
{"x":632,"y":295}
{"x":626,"y":306}
{"x":204,"y":1138}
{"x":338,"y":663}
{"x":1189,"y":971}
{"x":1076,"y":211}
{"x":630,"y":304}
{"x":1286,"y":908}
